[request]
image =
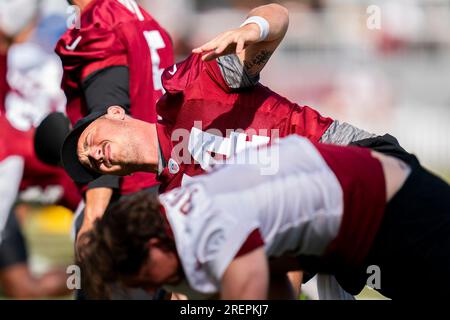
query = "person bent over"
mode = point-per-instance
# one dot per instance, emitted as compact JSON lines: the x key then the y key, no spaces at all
{"x":327,"y":208}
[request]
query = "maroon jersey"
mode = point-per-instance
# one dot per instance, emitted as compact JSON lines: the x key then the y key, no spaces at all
{"x":117,"y":33}
{"x":204,"y":120}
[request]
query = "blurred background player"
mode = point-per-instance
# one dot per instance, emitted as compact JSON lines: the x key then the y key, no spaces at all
{"x":113,"y":55}
{"x":29,"y":90}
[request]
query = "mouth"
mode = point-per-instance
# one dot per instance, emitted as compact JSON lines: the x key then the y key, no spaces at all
{"x":107,"y":155}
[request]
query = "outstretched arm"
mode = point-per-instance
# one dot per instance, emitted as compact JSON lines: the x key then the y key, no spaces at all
{"x":252,"y":50}
{"x":247,"y":277}
{"x":97,"y":201}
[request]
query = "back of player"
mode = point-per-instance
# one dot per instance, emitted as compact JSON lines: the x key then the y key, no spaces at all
{"x":290,"y":194}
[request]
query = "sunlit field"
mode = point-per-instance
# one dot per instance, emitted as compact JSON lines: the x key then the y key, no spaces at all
{"x":47,"y":232}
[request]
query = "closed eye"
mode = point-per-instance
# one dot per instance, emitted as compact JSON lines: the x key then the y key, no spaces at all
{"x":93,"y":164}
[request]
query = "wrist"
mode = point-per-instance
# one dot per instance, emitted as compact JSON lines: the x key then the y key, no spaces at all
{"x":263,"y":26}
{"x":93,"y":213}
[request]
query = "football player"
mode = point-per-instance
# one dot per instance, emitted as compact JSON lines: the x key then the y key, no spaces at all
{"x":24,"y":100}
{"x":113,"y":54}
{"x":342,"y":210}
{"x":212,"y":108}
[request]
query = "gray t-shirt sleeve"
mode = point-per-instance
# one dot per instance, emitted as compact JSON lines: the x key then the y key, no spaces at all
{"x":234,"y":72}
{"x":344,"y":134}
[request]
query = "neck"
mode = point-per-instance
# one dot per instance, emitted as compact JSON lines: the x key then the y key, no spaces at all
{"x":82,"y":3}
{"x":4,"y":45}
{"x":149,"y":148}
{"x":26,"y":33}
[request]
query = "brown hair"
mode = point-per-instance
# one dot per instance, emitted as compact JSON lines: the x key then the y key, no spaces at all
{"x":117,"y":245}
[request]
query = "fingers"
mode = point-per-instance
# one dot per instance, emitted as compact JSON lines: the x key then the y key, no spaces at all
{"x":210,"y":56}
{"x":215,"y":48}
{"x":210,"y":45}
{"x":226,"y":47}
{"x":240,"y":45}
{"x":225,"y":43}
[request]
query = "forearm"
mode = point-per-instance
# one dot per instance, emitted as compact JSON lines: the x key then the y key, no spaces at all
{"x":247,"y":277}
{"x":256,"y":55}
{"x":282,"y":288}
{"x":251,"y":288}
{"x":253,"y":42}
{"x":97,"y":201}
{"x":295,"y":279}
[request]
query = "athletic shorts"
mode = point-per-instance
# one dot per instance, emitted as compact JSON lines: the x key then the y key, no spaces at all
{"x":12,"y":246}
{"x":412,"y":246}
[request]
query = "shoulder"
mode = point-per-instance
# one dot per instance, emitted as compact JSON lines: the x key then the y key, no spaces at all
{"x":179,"y":76}
{"x":97,"y":24}
{"x":193,"y":70}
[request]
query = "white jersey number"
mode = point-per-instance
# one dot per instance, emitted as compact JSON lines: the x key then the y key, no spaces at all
{"x":202,"y":145}
{"x":155,"y":42}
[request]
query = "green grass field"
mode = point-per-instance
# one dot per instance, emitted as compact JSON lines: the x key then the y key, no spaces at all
{"x":47,"y":232}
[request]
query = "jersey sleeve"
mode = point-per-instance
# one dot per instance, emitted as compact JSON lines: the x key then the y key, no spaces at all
{"x":178,"y":77}
{"x":234,"y":73}
{"x":100,"y":51}
{"x":105,"y":181}
{"x":107,"y":87}
{"x":253,"y":242}
{"x":226,"y":72}
{"x":343,"y":134}
{"x":308,"y":122}
{"x":94,"y":46}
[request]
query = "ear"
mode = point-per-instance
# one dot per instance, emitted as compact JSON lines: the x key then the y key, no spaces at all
{"x":116,"y":113}
{"x":153,"y":243}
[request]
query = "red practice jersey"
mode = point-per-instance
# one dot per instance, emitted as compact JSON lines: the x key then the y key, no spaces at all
{"x":204,"y":120}
{"x":117,"y":33}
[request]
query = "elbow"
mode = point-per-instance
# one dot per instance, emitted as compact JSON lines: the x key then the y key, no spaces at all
{"x":255,"y":285}
{"x":282,"y":11}
{"x":282,"y":16}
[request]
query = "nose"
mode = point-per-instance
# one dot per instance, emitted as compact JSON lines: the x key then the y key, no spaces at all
{"x":96,"y":153}
{"x":151,"y":290}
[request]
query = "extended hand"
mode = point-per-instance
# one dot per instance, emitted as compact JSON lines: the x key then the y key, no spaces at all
{"x":229,"y":42}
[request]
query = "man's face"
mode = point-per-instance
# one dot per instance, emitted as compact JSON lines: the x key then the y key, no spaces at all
{"x":108,"y":146}
{"x":162,"y":267}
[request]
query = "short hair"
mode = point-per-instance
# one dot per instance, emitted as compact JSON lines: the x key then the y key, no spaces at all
{"x":117,"y":244}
